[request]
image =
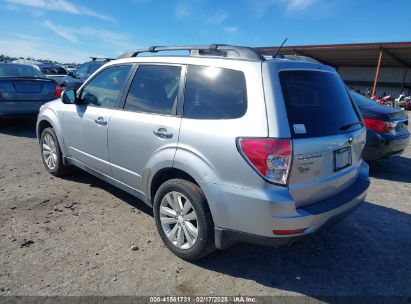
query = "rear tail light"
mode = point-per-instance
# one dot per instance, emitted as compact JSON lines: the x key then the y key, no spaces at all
{"x":271,"y":158}
{"x":380,"y":125}
{"x":58,"y":90}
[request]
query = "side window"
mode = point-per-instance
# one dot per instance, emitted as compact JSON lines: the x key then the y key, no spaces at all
{"x":46,"y":71}
{"x":214,"y":93}
{"x":154,"y":89}
{"x":61,"y":71}
{"x":82,"y":70}
{"x":104,"y":89}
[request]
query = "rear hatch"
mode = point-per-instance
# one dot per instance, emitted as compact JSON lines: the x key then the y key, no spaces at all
{"x":327,"y":134}
{"x":27,"y":89}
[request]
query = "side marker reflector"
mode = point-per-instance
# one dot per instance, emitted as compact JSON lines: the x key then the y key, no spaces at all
{"x":288,"y":232}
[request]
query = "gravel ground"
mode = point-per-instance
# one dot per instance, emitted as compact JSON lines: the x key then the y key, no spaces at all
{"x":72,"y":236}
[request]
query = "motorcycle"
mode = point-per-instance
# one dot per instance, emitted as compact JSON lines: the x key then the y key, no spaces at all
{"x":386,"y":100}
{"x":403,"y":102}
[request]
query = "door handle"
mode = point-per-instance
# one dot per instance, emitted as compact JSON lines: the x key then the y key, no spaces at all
{"x":163,"y":133}
{"x":100,"y":121}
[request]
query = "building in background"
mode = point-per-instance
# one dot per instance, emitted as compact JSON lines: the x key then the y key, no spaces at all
{"x":387,"y":66}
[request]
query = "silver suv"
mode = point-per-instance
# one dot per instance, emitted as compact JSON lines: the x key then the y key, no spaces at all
{"x":226,"y":145}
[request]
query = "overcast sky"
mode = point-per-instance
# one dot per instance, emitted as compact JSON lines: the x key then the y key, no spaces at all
{"x":73,"y":30}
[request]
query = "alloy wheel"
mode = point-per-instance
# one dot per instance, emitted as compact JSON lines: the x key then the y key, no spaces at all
{"x":49,"y":151}
{"x":179,"y":220}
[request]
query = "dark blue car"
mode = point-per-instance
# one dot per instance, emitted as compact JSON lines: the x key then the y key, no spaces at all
{"x":24,"y":89}
{"x":387,"y":128}
{"x":75,"y":80}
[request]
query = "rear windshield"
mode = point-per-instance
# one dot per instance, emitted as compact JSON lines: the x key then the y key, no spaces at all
{"x":361,"y":100}
{"x":19,"y":70}
{"x":317,"y":104}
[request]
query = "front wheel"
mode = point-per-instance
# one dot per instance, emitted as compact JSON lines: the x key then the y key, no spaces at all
{"x":183,"y":219}
{"x":51,"y":153}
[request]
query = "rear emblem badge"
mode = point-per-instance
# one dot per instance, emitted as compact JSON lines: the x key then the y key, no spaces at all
{"x":350,"y":140}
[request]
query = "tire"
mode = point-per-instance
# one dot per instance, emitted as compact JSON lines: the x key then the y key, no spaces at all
{"x":181,"y":228}
{"x":51,"y":153}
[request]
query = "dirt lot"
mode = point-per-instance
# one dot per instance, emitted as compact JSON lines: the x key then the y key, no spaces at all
{"x":72,"y":236}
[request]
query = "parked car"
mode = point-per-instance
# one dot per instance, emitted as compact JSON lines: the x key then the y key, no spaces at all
{"x":71,"y":68}
{"x":23,"y":89}
{"x":53,"y":71}
{"x":226,"y":145}
{"x":387,"y":128}
{"x":75,"y":79}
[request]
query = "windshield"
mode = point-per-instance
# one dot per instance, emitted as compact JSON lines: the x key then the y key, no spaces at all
{"x":361,"y":100}
{"x":317,"y":104}
{"x":94,"y":67}
{"x":19,"y":70}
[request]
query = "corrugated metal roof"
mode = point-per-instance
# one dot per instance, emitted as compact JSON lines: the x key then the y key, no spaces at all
{"x":395,"y":54}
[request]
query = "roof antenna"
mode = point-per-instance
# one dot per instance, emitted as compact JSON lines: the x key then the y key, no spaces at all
{"x":275,"y":55}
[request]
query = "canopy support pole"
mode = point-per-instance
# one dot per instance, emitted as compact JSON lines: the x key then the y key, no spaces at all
{"x":377,"y":72}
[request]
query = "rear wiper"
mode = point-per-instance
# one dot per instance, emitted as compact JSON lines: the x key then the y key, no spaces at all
{"x":346,"y":127}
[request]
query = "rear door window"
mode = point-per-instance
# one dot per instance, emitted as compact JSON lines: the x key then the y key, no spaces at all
{"x":154,"y":89}
{"x":214,"y":93}
{"x":317,"y":104}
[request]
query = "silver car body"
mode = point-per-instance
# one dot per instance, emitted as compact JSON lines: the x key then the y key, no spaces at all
{"x":122,"y":150}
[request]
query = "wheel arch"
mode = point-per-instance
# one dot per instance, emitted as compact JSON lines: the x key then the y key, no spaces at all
{"x":49,"y":119}
{"x":176,"y":171}
{"x":166,"y":174}
{"x":42,"y":124}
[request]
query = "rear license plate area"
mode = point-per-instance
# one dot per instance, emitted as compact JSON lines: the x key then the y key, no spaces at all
{"x":342,"y":158}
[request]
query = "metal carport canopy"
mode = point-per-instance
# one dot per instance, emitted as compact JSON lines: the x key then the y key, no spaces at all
{"x":395,"y":54}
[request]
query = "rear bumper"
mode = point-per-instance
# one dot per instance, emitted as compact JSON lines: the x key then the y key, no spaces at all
{"x":310,"y":217}
{"x":379,"y":146}
{"x":225,"y":238}
{"x":15,"y":108}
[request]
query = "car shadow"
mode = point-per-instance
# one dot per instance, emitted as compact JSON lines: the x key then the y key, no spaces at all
{"x":368,"y":253}
{"x":80,"y":176}
{"x":396,"y":168}
{"x":21,"y":127}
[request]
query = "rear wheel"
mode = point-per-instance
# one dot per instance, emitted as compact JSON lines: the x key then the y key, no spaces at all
{"x":183,"y":219}
{"x":51,"y":153}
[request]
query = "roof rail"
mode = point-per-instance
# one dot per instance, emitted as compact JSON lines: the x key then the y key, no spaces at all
{"x":218,"y":50}
{"x":101,"y":58}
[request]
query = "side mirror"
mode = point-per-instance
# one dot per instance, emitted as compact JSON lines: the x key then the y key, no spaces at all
{"x":69,"y":97}
{"x":71,"y":74}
